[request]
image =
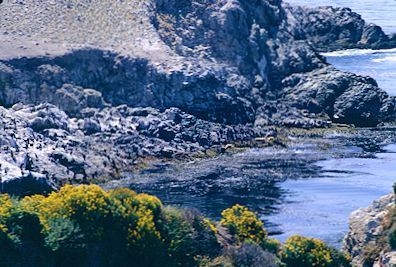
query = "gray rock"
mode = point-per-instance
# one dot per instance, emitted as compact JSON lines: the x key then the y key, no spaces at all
{"x":95,"y":95}
{"x":333,"y":28}
{"x":344,"y":97}
{"x":366,"y":229}
{"x":28,"y":184}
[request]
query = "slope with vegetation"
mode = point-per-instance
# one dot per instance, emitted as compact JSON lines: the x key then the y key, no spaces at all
{"x":87,"y":226}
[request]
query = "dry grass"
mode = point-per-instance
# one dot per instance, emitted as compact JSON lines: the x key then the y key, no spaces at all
{"x":100,"y":23}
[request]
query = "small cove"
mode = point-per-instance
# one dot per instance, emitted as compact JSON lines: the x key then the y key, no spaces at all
{"x":309,"y":188}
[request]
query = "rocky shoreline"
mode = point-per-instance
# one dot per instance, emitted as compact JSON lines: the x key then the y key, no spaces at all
{"x":366,"y":240}
{"x":333,"y":28}
{"x":84,"y":96}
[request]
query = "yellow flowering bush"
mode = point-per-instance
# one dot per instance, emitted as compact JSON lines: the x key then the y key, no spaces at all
{"x":83,"y":225}
{"x":145,"y":232}
{"x":144,"y":201}
{"x":300,"y":251}
{"x":32,"y":203}
{"x":243,"y":224}
{"x":122,"y":194}
{"x":5,"y":211}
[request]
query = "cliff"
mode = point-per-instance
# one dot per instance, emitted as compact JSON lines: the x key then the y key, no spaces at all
{"x":87,"y":87}
{"x":367,"y":240}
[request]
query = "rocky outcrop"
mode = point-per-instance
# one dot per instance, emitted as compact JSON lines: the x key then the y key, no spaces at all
{"x":42,"y":147}
{"x":87,"y":87}
{"x":367,"y":241}
{"x":333,"y":28}
{"x":345,"y":98}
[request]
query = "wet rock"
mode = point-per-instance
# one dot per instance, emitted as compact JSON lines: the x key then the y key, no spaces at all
{"x":104,"y":143}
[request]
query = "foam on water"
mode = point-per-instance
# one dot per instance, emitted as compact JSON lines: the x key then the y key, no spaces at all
{"x":358,"y":52}
{"x":379,"y":64}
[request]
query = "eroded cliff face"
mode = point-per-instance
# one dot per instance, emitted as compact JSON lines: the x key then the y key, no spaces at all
{"x":221,"y":61}
{"x":367,"y":239}
{"x":228,"y":69}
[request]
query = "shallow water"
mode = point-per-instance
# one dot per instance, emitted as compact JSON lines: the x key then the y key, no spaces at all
{"x":321,"y":206}
{"x":310,"y":188}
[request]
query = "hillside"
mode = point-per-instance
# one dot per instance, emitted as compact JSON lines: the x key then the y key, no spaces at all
{"x":89,"y":87}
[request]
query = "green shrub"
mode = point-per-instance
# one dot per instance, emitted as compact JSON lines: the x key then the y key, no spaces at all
{"x":243,"y":224}
{"x":188,"y":235}
{"x":394,"y":188}
{"x":339,"y":259}
{"x":251,"y":255}
{"x":300,"y":251}
{"x":65,"y":235}
{"x":392,"y":238}
{"x":272,"y":245}
{"x":88,"y":226}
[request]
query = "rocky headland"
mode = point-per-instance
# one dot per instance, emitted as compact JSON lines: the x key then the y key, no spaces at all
{"x":89,"y":87}
{"x":331,"y":28}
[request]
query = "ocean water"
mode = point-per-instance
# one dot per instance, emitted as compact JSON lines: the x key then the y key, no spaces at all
{"x":310,"y":188}
{"x":320,"y":207}
{"x":380,"y":12}
{"x":379,"y":64}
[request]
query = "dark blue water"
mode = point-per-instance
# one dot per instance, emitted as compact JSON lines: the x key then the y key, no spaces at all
{"x":320,"y":207}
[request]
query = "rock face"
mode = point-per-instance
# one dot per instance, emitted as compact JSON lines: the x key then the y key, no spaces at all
{"x":89,"y":86}
{"x":42,"y":141}
{"x":333,"y":28}
{"x":365,"y":239}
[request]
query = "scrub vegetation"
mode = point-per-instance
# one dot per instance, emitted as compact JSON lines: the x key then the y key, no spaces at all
{"x":88,"y":226}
